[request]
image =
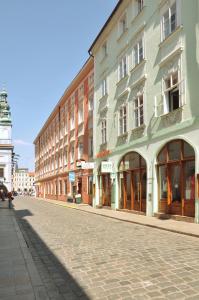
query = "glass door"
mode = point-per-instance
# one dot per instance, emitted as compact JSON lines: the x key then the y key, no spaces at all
{"x":136,"y":205}
{"x":143,"y":185}
{"x":175,"y":177}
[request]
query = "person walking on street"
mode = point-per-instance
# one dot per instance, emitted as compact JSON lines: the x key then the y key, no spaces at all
{"x":2,"y":195}
{"x":10,"y":198}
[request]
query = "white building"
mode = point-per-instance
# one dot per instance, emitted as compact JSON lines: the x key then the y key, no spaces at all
{"x":23,"y":181}
{"x":6,"y":148}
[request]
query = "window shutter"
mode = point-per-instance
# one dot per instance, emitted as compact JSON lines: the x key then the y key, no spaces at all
{"x":159,"y":105}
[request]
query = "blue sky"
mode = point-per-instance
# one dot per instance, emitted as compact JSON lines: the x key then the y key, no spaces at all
{"x":43,"y":46}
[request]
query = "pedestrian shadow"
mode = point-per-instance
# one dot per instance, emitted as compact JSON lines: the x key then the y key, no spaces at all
{"x":58,"y":281}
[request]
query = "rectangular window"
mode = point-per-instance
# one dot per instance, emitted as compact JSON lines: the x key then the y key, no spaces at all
{"x":72,"y":117}
{"x":122,"y":68}
{"x":104,"y":87}
{"x":169,"y":21}
{"x":140,"y":5}
{"x":104,"y":50}
{"x":122,"y":120}
{"x":138,"y":111}
{"x":81,"y":112}
{"x":171,"y":92}
{"x":122,"y":24}
{"x":80,"y":150}
{"x":60,"y":187}
{"x":138,"y":53}
{"x":90,"y":146}
{"x":72,"y":154}
{"x":103,"y":131}
{"x":90,"y":102}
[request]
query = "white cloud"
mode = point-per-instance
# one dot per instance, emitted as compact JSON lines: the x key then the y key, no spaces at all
{"x":23,"y":143}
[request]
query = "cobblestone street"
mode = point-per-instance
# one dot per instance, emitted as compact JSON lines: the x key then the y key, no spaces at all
{"x":85,"y":256}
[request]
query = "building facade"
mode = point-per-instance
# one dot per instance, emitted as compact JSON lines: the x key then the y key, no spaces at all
{"x":6,"y":148}
{"x":64,"y":146}
{"x":23,"y":181}
{"x":146,"y":61}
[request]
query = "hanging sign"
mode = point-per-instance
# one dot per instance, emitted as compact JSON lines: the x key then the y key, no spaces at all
{"x":88,"y":165}
{"x":106,"y":167}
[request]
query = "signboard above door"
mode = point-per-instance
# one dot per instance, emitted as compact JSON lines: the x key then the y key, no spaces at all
{"x":106,"y":167}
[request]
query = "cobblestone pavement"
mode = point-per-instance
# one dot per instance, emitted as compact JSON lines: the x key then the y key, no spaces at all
{"x":85,"y":256}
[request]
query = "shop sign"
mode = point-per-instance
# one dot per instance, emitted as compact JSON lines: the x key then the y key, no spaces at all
{"x":71,"y":176}
{"x":88,"y":165}
{"x":106,"y":167}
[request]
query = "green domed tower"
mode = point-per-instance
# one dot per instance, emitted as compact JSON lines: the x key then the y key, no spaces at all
{"x":5,"y":114}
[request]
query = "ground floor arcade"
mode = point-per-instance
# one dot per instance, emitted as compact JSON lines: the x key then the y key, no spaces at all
{"x":160,"y":178}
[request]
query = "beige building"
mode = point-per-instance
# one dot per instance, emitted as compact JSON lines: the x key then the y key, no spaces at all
{"x":23,"y":181}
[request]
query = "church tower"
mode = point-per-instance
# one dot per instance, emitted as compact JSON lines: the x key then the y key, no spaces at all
{"x":6,"y":148}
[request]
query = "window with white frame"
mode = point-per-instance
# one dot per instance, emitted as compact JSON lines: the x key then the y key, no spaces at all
{"x":169,"y":21}
{"x":122,"y":68}
{"x":103,"y":131}
{"x":104,"y":87}
{"x":172,"y":92}
{"x":81,"y":91}
{"x":138,"y":111}
{"x":72,"y":153}
{"x":122,"y":120}
{"x":80,"y":150}
{"x":91,"y":80}
{"x":65,"y":158}
{"x":138,"y":52}
{"x":72,"y":116}
{"x":122,"y":26}
{"x":140,"y":4}
{"x":90,"y":101}
{"x":81,"y":112}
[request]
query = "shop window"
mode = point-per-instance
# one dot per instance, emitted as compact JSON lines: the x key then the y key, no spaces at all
{"x":90,"y":185}
{"x":174,"y":150}
{"x":189,"y":174}
{"x":188,"y":150}
{"x":162,"y":157}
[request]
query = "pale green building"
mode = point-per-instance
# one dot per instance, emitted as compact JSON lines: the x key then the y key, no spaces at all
{"x":146,"y":129}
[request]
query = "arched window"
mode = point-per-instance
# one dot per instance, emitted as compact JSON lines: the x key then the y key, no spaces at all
{"x":176,"y":178}
{"x":133,"y":178}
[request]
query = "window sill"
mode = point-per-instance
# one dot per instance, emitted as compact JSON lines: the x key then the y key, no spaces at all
{"x":121,"y":35}
{"x":170,"y":36}
{"x":123,"y":135}
{"x":138,"y":65}
{"x":103,"y":97}
{"x":122,"y":79}
{"x":139,"y":128}
{"x":138,"y":15}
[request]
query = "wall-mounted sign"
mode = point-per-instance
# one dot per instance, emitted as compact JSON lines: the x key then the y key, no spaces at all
{"x":88,"y":165}
{"x":71,"y":176}
{"x":106,"y":167}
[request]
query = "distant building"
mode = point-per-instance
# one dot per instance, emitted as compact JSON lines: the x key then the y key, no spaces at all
{"x":6,"y":148}
{"x":23,"y":181}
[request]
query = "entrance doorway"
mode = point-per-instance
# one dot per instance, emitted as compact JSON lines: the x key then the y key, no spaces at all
{"x":176,"y":179}
{"x":106,"y":189}
{"x":133,"y":183}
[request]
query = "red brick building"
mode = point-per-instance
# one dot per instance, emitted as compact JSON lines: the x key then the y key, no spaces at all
{"x":65,"y":143}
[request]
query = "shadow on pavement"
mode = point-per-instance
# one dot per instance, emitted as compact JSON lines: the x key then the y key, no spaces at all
{"x":57,"y":280}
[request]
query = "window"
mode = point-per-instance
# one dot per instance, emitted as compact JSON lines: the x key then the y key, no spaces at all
{"x":60,"y":187}
{"x":122,"y":120}
{"x":138,"y":111}
{"x":90,"y":102}
{"x":80,"y":112}
{"x":169,"y":21}
{"x":122,"y":24}
{"x":138,"y":53}
{"x":103,"y":131}
{"x":81,"y":91}
{"x":72,"y":154}
{"x":91,"y":80}
{"x":104,"y":87}
{"x":122,"y":70}
{"x":104,"y":50}
{"x":80,"y":150}
{"x":140,"y":5}
{"x":72,"y":117}
{"x":171,"y":92}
